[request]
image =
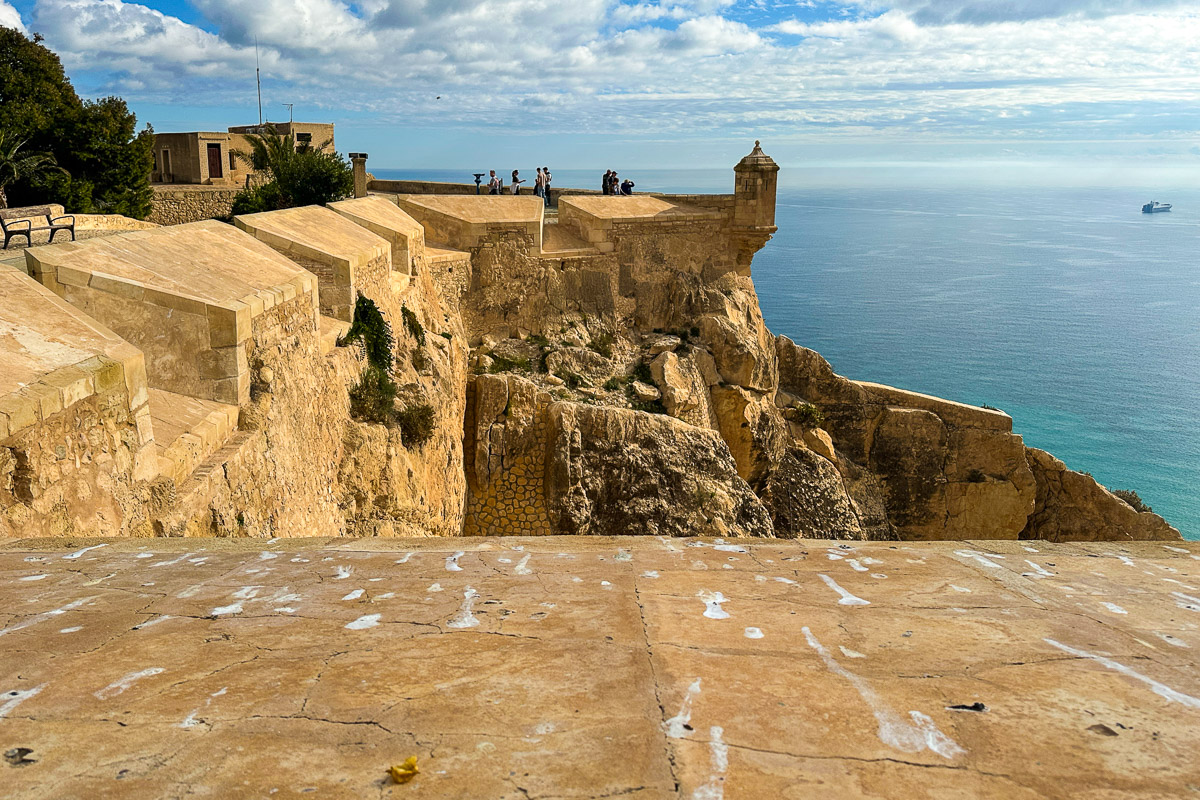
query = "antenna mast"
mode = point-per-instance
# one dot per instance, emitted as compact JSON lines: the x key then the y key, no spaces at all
{"x":258,"y":80}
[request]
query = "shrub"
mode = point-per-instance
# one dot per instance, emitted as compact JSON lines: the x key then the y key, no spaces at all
{"x":612,"y":384}
{"x":373,"y":398}
{"x":416,"y":424}
{"x":572,"y":380}
{"x":538,"y":340}
{"x":266,"y":197}
{"x":506,"y":364}
{"x":809,"y":415}
{"x":369,"y":327}
{"x":301,"y":176}
{"x":447,"y":335}
{"x":649,"y":406}
{"x":413,"y":325}
{"x":602,"y":344}
{"x":641,"y":372}
{"x":1131,"y":497}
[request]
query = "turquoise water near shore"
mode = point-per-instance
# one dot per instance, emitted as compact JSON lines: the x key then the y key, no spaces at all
{"x":1067,"y":308}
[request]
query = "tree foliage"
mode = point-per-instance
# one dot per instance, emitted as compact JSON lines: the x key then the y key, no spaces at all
{"x":298,"y":175}
{"x":18,"y":164}
{"x":105,"y":161}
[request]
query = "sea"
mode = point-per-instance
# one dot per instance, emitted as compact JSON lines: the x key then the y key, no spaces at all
{"x":1067,"y":308}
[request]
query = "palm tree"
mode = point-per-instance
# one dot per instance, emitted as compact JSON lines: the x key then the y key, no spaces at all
{"x":269,"y":152}
{"x":16,"y":165}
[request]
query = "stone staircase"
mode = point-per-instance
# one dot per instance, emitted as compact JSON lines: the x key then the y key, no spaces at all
{"x":187,"y":430}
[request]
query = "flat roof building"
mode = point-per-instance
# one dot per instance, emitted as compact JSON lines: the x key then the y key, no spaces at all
{"x":209,"y":157}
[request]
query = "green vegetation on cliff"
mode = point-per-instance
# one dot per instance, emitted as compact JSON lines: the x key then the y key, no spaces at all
{"x":105,"y":161}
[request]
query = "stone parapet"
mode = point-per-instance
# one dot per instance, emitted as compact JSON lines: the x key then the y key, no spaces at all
{"x":182,"y":294}
{"x":465,"y":222}
{"x":177,"y":204}
{"x":387,"y":220}
{"x":326,"y":243}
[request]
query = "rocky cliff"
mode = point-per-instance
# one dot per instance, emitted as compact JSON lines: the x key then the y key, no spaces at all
{"x":605,"y":372}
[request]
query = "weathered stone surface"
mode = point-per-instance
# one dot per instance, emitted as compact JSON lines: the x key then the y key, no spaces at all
{"x":818,"y":440}
{"x":579,"y":361}
{"x":1073,"y":507}
{"x":684,"y":390}
{"x":619,"y":470}
{"x":154,"y":668}
{"x":752,"y":427}
{"x":645,"y":392}
{"x":806,"y":498}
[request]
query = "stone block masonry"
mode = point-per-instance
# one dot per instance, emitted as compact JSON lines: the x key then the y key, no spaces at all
{"x":176,"y":204}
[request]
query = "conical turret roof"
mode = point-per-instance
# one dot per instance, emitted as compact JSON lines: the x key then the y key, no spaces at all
{"x":757,"y":160}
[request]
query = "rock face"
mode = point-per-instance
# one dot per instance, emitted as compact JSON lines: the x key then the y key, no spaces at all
{"x":1073,"y":507}
{"x":623,"y":382}
{"x":943,"y":470}
{"x":614,"y":469}
{"x":806,"y":498}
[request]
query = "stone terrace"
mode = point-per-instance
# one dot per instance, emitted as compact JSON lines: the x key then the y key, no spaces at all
{"x":597,"y":667}
{"x":344,"y":256}
{"x":52,"y":356}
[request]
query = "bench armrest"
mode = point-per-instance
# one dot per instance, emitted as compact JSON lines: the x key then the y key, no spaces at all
{"x":53,"y":220}
{"x":10,"y":224}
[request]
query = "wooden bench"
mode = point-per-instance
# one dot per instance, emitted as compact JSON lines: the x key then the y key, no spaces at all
{"x":18,"y":222}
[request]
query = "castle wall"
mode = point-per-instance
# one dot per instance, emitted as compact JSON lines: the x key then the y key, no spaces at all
{"x":176,"y":204}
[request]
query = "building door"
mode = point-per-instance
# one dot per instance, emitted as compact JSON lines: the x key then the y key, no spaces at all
{"x":214,"y":161}
{"x":167,"y":177}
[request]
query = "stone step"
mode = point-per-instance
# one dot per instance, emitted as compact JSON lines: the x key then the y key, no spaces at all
{"x":187,"y":430}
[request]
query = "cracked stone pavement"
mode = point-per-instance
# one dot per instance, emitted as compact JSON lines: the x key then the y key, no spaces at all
{"x":578,"y":667}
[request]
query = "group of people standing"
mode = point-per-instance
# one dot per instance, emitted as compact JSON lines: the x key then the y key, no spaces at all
{"x":541,"y":185}
{"x":611,"y":184}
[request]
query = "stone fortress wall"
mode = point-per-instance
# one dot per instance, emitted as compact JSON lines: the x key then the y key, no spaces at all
{"x":180,"y":203}
{"x":605,"y":372}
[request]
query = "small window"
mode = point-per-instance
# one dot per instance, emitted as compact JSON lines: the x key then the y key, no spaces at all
{"x":304,"y":137}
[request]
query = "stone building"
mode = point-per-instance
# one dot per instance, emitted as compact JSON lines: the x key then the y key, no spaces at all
{"x":208,"y":157}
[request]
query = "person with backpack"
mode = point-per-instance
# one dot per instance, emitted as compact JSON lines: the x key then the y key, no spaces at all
{"x":516,"y":182}
{"x":494,"y":183}
{"x":546,"y":185}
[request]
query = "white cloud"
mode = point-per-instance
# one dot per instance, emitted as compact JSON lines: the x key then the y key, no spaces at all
{"x":145,"y":45}
{"x":10,"y":17}
{"x":937,"y":12}
{"x":676,"y":67}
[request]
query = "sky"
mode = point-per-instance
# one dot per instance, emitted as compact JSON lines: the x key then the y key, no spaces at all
{"x":991,"y":88}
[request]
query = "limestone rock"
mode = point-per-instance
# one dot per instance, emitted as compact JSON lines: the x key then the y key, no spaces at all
{"x":806,"y":498}
{"x":506,"y":409}
{"x":684,"y":390}
{"x":616,"y":471}
{"x":1073,"y":507}
{"x":645,"y":392}
{"x":580,"y":361}
{"x":706,"y":365}
{"x":741,"y":359}
{"x":663,"y":344}
{"x":752,"y":427}
{"x":817,"y":440}
{"x":847,"y":407}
